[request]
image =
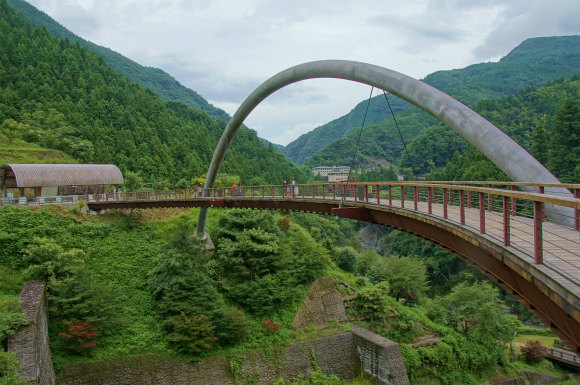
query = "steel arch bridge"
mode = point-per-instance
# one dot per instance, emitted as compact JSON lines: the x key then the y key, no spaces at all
{"x":550,"y":288}
{"x":504,"y":233}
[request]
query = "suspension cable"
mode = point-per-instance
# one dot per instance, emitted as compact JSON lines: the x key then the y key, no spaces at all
{"x":356,"y":147}
{"x":401,"y":136}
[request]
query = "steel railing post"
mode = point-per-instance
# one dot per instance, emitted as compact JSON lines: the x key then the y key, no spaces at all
{"x":538,"y":240}
{"x":462,"y":207}
{"x":377,"y":194}
{"x":482,"y":213}
{"x":506,"y":221}
{"x":402,"y":196}
{"x":468,"y":197}
{"x":514,"y":202}
{"x":489,"y":201}
{"x":445,"y":203}
{"x":577,"y":211}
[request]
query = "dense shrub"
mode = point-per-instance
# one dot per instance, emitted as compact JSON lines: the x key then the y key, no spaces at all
{"x":533,"y":351}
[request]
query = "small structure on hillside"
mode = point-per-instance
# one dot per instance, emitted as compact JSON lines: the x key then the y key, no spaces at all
{"x":332,"y":173}
{"x":45,"y":180}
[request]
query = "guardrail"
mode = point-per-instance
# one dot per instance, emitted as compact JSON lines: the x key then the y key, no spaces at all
{"x":564,"y":355}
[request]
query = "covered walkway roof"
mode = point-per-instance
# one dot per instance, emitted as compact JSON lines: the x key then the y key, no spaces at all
{"x":14,"y":175}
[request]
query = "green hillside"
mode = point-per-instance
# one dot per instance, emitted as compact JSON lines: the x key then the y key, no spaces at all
{"x":545,"y":121}
{"x":155,"y":79}
{"x":60,"y":95}
{"x":533,"y":63}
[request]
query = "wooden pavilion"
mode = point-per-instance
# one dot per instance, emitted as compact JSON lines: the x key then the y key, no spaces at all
{"x":45,"y":180}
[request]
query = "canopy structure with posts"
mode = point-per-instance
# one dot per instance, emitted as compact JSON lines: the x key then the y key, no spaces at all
{"x":57,"y":179}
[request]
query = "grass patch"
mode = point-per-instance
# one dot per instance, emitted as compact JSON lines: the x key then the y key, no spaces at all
{"x":23,"y":152}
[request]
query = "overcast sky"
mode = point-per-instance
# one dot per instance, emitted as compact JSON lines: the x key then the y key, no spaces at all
{"x":225,"y":49}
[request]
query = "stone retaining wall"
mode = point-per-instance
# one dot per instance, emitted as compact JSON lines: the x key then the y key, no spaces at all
{"x":334,"y":355}
{"x":30,"y":343}
{"x":380,"y":357}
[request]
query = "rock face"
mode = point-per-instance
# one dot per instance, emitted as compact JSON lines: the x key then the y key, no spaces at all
{"x":373,"y":237}
{"x":30,"y":343}
{"x":322,"y":305}
{"x":527,"y":377}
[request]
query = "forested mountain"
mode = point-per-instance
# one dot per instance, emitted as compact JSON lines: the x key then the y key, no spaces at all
{"x":63,"y":96}
{"x":533,"y":63}
{"x":155,"y":79}
{"x":521,"y":116}
{"x":545,"y":121}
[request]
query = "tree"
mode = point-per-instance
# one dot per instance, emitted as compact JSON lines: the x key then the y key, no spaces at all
{"x":133,"y":181}
{"x":540,"y":143}
{"x":565,"y":142}
{"x":12,"y":129}
{"x":346,"y":258}
{"x":406,"y":276}
{"x":475,"y":310}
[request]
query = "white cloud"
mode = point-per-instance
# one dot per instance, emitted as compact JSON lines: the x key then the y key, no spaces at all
{"x":225,"y":49}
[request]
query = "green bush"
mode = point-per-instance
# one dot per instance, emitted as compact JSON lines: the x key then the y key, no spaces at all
{"x":346,"y":258}
{"x":406,"y":276}
{"x":11,"y":315}
{"x":10,"y":369}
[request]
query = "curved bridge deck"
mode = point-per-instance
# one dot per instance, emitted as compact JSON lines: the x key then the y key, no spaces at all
{"x":528,"y":243}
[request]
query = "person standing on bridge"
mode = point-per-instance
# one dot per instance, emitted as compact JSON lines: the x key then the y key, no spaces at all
{"x":293,"y":183}
{"x":234,"y":189}
{"x":284,"y":188}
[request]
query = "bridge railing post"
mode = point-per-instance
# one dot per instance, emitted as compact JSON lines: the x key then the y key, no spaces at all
{"x":450,"y":197}
{"x":366,"y":187}
{"x":514,"y":202}
{"x":489,"y":200}
{"x":482,"y":213}
{"x":445,"y":203}
{"x":538,"y":240}
{"x":430,"y":200}
{"x":377,"y":193}
{"x":506,"y":221}
{"x":390,"y":195}
{"x":577,"y":211}
{"x":541,"y":191}
{"x":415,"y":197}
{"x":468,"y":197}
{"x":402,"y":196}
{"x":462,"y":207}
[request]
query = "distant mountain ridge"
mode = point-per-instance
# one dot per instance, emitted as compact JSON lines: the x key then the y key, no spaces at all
{"x":154,"y":79}
{"x":532,"y":63}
